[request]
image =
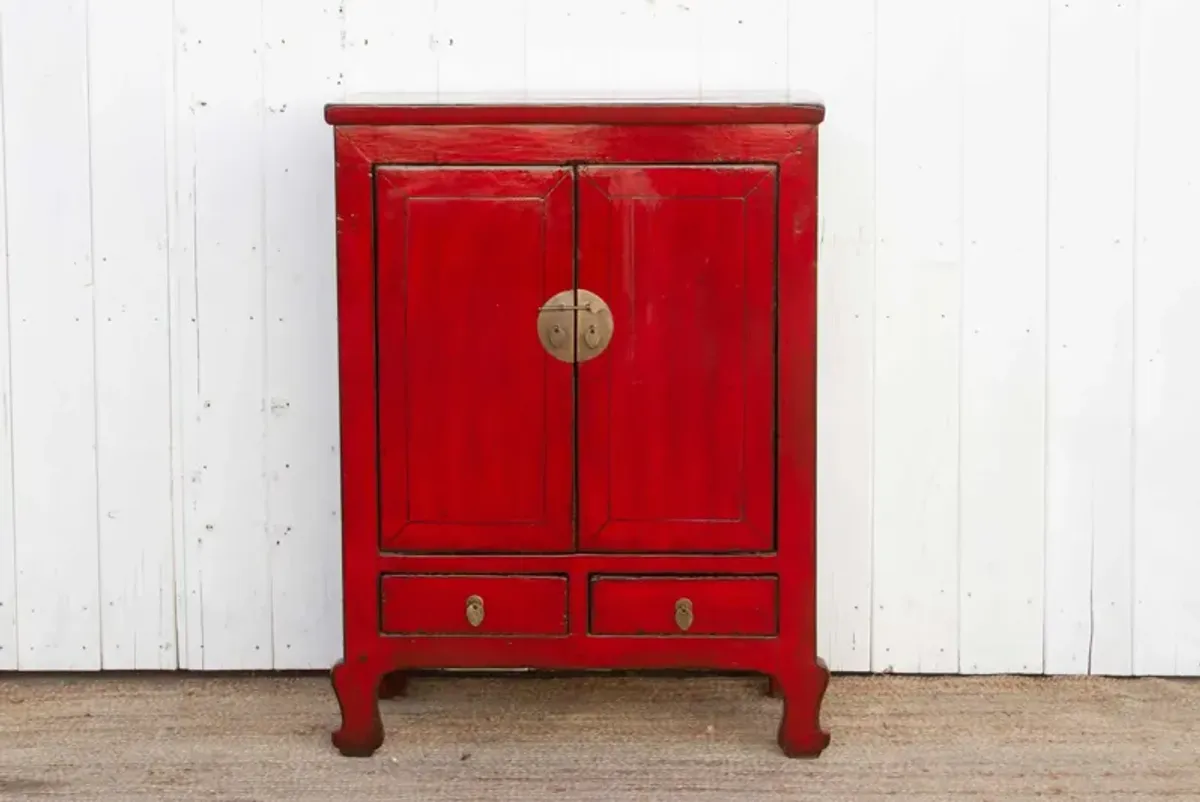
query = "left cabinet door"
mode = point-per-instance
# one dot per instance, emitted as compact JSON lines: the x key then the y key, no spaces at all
{"x":476,"y":419}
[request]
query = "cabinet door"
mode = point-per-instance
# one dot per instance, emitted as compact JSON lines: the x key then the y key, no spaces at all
{"x":475,"y":418}
{"x":676,"y":416}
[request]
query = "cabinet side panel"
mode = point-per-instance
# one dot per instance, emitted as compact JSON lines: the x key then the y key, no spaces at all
{"x":357,"y":394}
{"x":797,"y":398}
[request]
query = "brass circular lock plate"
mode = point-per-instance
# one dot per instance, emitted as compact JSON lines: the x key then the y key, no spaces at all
{"x":575,"y":325}
{"x":556,"y":325}
{"x":595,"y":326}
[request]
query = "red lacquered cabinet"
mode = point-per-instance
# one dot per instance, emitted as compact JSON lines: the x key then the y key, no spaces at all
{"x":578,"y":391}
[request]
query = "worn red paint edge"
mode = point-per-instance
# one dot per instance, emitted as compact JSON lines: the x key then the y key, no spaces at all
{"x":527,"y":145}
{"x":357,"y":393}
{"x":589,"y":114}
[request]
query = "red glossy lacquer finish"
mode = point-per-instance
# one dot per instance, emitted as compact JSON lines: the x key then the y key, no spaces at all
{"x":676,"y":418}
{"x":475,"y":418}
{"x":395,"y":111}
{"x":733,"y":606}
{"x":652,"y":507}
{"x":507,"y":605}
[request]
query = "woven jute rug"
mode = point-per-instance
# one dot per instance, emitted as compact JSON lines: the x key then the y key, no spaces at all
{"x":169,"y":737}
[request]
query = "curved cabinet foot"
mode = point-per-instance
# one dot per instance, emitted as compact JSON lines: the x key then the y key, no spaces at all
{"x":393,"y":685}
{"x":357,"y":687}
{"x":803,"y":691}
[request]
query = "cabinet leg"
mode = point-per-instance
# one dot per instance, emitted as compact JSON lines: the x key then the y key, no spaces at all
{"x":357,"y":686}
{"x":803,"y":691}
{"x":393,"y":685}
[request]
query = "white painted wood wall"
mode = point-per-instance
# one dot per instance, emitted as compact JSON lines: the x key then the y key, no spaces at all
{"x":1010,"y":325}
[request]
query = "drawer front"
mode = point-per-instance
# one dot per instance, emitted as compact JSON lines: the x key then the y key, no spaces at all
{"x":624,"y":605}
{"x":473,"y":605}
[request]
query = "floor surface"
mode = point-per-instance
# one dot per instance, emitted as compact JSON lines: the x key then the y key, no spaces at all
{"x":168,"y":737}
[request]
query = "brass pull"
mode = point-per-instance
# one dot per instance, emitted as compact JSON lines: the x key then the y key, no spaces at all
{"x":575,"y":325}
{"x":474,"y":610}
{"x":683,"y":614}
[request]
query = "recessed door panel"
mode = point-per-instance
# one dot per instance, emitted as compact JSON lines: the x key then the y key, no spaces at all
{"x":676,"y":416}
{"x":476,"y":418}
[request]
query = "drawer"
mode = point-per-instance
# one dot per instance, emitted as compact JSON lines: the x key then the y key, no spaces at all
{"x":640,"y":605}
{"x":476,"y":604}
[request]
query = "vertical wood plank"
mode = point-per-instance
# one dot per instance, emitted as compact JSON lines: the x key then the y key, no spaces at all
{"x":224,"y":406}
{"x":183,"y":325}
{"x":562,"y":50}
{"x":389,"y":47}
{"x":50,"y":286}
{"x":659,"y":49}
{"x":627,"y":49}
{"x":1089,"y":392}
{"x":129,"y":54}
{"x":918,"y":276}
{"x":559,"y":59}
{"x":832,"y":53}
{"x":8,"y":541}
{"x":1167,"y":344}
{"x":302,"y":61}
{"x":480,"y":48}
{"x":743,"y":50}
{"x":1002,"y":418}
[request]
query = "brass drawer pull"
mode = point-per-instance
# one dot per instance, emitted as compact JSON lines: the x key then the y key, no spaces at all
{"x":474,"y":610}
{"x":683,"y":614}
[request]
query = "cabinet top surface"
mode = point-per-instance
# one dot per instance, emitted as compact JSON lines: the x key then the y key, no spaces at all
{"x":579,"y":109}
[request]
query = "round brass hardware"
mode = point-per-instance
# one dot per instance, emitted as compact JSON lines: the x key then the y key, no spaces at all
{"x":595,"y":325}
{"x":474,"y":610}
{"x":555,"y":324}
{"x":683,"y":614}
{"x":575,"y":325}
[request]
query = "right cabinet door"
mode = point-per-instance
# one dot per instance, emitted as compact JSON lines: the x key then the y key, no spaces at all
{"x":677,"y":415}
